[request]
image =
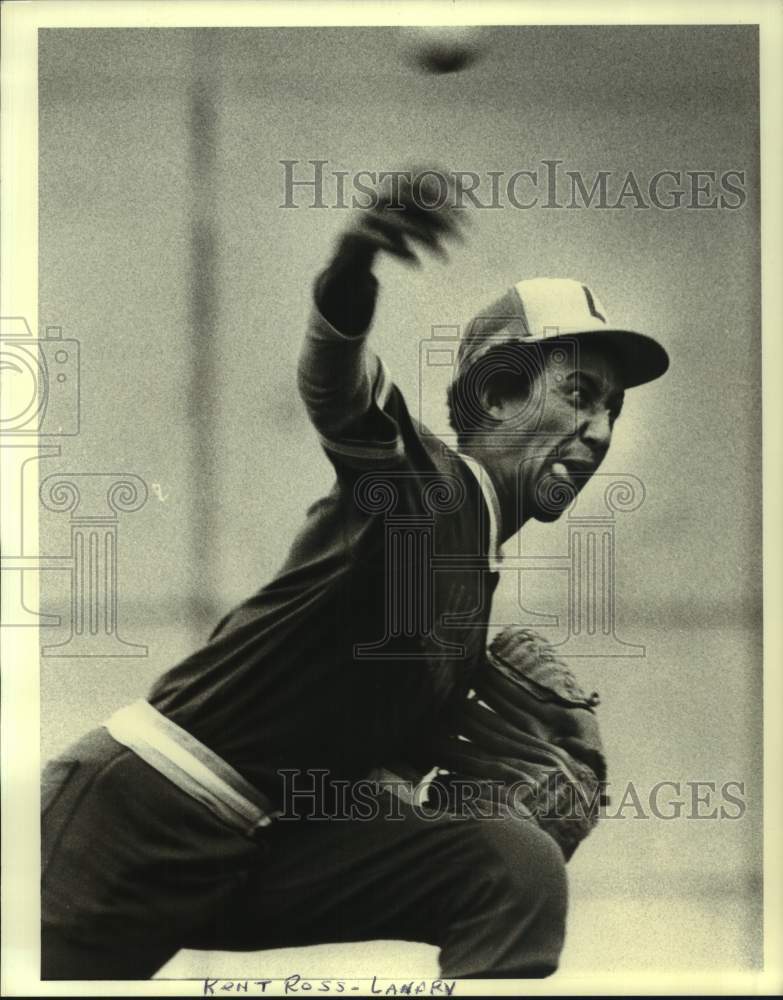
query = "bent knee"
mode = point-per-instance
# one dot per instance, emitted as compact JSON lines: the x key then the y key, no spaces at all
{"x":513,"y":904}
{"x":527,"y":861}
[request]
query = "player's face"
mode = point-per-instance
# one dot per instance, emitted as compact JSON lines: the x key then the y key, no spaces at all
{"x":552,"y":442}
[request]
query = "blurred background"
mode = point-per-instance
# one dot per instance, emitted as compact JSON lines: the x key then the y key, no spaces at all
{"x":166,"y":252}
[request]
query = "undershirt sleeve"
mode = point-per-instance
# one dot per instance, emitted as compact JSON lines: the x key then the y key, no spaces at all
{"x":343,"y":383}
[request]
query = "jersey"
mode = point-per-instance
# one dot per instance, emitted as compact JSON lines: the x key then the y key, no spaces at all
{"x":354,"y":655}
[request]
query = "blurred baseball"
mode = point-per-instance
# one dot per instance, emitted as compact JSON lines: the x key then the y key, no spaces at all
{"x":444,"y":50}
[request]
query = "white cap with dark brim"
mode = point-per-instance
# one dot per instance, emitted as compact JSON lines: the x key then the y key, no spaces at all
{"x":539,"y":310}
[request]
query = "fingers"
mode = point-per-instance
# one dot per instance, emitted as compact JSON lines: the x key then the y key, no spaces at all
{"x":478,"y":723}
{"x":402,"y":238}
{"x":372,"y":233}
{"x":394,"y":236}
{"x":508,"y":698}
{"x":489,"y":739}
{"x":412,"y":211}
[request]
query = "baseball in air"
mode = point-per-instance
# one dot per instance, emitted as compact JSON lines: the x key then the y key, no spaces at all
{"x":444,"y":50}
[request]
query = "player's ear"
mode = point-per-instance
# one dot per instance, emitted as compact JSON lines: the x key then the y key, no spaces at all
{"x":502,"y":395}
{"x":493,"y":400}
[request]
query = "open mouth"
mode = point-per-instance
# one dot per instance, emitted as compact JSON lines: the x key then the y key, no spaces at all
{"x":577,"y":472}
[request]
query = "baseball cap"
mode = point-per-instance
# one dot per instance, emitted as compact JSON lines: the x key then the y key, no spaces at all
{"x":538,"y":310}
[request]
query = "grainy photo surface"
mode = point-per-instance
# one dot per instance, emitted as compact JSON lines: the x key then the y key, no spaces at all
{"x":392,"y":423}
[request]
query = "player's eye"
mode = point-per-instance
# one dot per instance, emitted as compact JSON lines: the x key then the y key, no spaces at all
{"x":579,"y":392}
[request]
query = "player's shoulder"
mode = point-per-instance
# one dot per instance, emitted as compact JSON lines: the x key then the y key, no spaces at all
{"x":442,"y":478}
{"x":422,"y":447}
{"x":440,"y":455}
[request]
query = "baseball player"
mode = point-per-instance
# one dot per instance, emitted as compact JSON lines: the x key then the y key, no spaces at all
{"x":224,"y":811}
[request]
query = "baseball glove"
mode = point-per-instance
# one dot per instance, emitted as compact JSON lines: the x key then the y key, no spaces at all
{"x":527,"y":738}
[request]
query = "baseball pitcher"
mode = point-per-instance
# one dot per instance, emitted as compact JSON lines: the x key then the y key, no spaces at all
{"x":349,"y":757}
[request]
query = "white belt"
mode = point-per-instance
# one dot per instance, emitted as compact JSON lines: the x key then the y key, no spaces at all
{"x":190,"y":765}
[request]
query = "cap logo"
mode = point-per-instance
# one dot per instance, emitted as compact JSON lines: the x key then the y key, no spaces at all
{"x":591,"y":304}
{"x":538,"y":309}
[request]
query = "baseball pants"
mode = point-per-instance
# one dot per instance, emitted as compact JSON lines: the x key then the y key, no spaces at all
{"x":134,"y":870}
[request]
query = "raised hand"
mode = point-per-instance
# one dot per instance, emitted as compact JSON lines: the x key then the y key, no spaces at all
{"x":411,"y":211}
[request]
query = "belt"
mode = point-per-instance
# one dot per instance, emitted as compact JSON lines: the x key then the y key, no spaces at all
{"x":191,"y":766}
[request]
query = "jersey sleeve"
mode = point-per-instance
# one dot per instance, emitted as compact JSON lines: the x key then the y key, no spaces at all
{"x":346,"y":390}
